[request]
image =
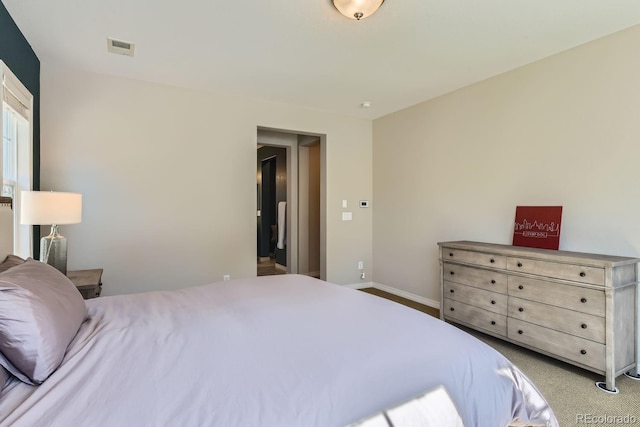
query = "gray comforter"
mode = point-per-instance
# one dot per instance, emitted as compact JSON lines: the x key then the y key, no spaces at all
{"x":273,"y":351}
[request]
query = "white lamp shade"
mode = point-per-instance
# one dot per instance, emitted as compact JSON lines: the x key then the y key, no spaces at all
{"x":50,"y":207}
{"x":353,"y":8}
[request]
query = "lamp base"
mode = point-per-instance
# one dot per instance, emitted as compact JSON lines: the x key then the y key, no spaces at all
{"x":53,"y":250}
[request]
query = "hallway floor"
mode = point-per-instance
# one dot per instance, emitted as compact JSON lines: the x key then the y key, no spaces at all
{"x":268,"y":268}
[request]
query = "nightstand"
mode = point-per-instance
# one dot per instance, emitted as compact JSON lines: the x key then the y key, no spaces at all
{"x":88,"y":282}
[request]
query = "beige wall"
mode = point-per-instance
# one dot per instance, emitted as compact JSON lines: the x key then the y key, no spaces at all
{"x":562,"y":131}
{"x":169,"y":181}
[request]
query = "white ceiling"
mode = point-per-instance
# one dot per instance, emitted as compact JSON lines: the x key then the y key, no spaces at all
{"x":305,"y":53}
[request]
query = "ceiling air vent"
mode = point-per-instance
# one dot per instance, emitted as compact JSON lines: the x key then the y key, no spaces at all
{"x":120,"y":47}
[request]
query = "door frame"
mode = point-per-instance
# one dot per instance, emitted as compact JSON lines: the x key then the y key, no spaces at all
{"x":291,"y":141}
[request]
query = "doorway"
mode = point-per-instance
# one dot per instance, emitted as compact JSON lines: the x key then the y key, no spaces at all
{"x":299,"y":219}
{"x":271,"y":219}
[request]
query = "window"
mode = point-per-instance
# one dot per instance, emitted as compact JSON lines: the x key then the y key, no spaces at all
{"x":9,"y":152}
{"x":16,"y":156}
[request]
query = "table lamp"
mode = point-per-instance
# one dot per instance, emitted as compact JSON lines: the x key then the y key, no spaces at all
{"x":54,"y":208}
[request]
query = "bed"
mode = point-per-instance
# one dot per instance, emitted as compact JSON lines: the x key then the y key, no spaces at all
{"x":271,"y":351}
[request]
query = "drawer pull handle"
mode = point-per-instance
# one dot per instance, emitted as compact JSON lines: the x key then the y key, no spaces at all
{"x":451,"y":273}
{"x":452,"y":291}
{"x":520,"y":287}
{"x":492,"y":260}
{"x":493,"y":322}
{"x":583,"y":300}
{"x":583,"y":351}
{"x":583,"y":326}
{"x":519,"y":264}
{"x":493,"y":301}
{"x":520,"y":331}
{"x":493,"y":282}
{"x":582,"y":274}
{"x":450,"y":253}
{"x":521,"y":309}
{"x":451,"y":309}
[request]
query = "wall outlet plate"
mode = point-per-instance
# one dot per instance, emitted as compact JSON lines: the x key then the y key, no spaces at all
{"x":364,"y":203}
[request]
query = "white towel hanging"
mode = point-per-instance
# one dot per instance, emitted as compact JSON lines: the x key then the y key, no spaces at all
{"x":282,"y":209}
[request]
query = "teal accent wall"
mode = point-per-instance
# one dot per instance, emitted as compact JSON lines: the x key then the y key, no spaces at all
{"x":16,"y":52}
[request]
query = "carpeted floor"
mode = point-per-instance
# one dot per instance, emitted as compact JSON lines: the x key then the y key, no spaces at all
{"x":570,"y":391}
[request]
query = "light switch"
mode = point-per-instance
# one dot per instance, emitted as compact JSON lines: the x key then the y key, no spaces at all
{"x":347,"y":216}
{"x":344,"y":204}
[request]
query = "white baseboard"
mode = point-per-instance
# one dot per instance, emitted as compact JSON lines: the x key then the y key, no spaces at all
{"x":407,"y":295}
{"x":360,"y":285}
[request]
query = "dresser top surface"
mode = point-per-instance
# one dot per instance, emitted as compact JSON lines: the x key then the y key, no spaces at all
{"x":548,"y":254}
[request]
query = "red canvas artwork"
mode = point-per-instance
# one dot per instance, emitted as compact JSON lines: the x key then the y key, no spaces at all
{"x":537,"y":227}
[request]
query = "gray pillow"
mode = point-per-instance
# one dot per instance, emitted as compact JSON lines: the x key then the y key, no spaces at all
{"x":10,"y":261}
{"x":41,"y":311}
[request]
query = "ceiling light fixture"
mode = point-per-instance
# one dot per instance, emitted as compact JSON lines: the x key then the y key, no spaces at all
{"x":357,"y":9}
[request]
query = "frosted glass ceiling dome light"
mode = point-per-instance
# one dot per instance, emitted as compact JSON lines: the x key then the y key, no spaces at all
{"x":357,"y":9}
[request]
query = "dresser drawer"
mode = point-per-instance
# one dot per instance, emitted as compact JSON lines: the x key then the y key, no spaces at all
{"x":577,"y":349}
{"x":590,"y":301}
{"x":572,"y":322}
{"x":486,"y":279}
{"x":476,"y":317}
{"x":477,"y":258}
{"x":480,"y":298}
{"x":576,"y":273}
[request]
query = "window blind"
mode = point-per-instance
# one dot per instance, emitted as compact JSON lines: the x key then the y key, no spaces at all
{"x":15,"y":103}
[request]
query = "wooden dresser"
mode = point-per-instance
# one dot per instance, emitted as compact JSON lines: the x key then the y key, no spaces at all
{"x":575,"y":307}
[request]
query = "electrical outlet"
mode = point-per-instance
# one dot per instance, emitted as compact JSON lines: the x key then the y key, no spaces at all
{"x":226,"y":277}
{"x":360,"y":265}
{"x":362,"y":275}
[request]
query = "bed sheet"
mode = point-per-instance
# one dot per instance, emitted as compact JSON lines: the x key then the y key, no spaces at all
{"x":271,"y":351}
